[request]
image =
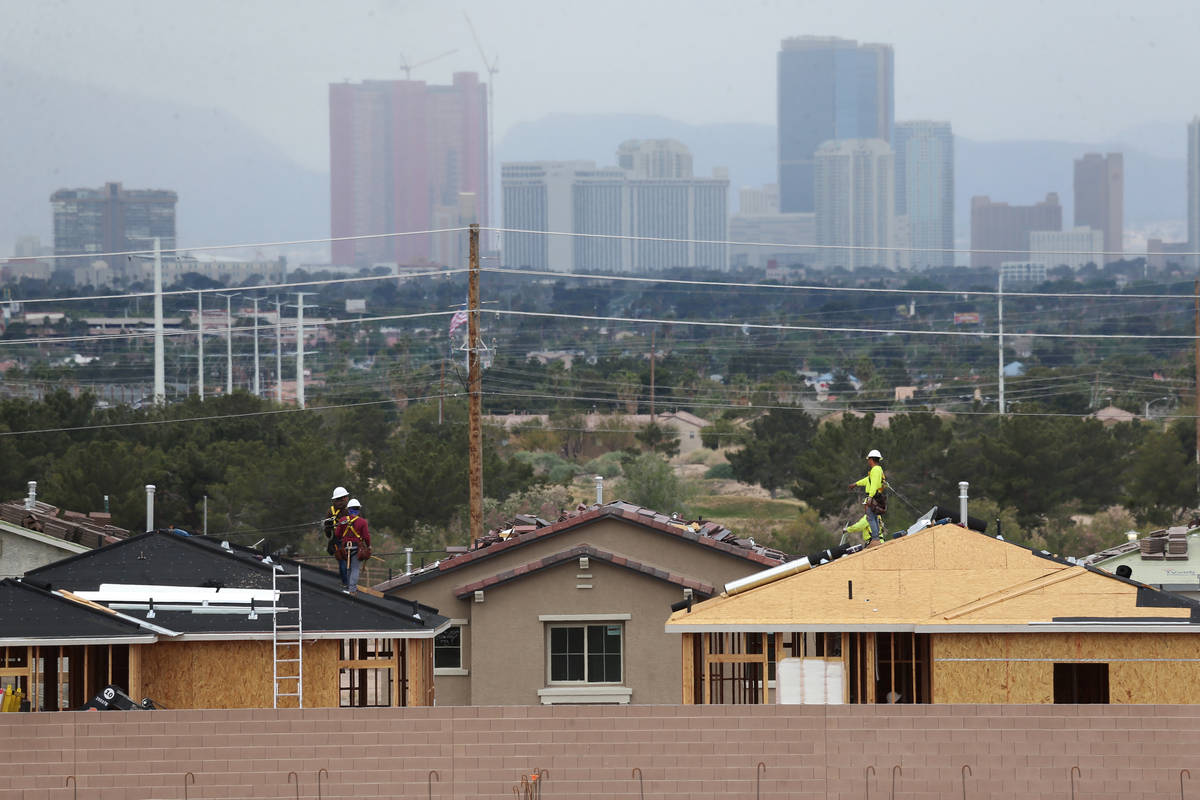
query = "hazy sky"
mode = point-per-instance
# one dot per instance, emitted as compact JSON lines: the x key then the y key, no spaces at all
{"x":1061,"y":69}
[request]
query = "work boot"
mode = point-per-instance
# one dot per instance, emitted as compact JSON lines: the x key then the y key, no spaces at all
{"x":873,"y":543}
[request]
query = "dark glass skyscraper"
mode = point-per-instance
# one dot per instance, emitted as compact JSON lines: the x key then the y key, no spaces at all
{"x":829,"y":88}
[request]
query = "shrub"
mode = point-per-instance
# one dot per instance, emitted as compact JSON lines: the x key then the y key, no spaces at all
{"x":723,"y":471}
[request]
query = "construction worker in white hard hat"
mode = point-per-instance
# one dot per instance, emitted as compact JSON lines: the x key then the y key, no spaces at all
{"x":337,"y":509}
{"x":353,"y":544}
{"x":875,"y":502}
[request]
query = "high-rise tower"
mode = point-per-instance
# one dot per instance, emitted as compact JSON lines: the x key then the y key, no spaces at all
{"x":829,"y":88}
{"x":405,"y":156}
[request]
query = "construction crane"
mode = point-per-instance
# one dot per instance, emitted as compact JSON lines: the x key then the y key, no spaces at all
{"x":492,"y":68}
{"x":408,"y":68}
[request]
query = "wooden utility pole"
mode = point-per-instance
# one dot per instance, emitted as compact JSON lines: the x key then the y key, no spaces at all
{"x":474,"y":384}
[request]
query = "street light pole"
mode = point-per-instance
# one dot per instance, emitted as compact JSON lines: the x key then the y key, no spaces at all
{"x":256,"y":384}
{"x":1000,"y":339}
{"x":228,"y":342}
{"x":200,"y":344}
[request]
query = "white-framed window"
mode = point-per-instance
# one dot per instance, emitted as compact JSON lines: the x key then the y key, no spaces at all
{"x":448,"y":650}
{"x":585,"y":653}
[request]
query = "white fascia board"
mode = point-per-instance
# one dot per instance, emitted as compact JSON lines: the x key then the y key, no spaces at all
{"x":900,"y":627}
{"x":266,"y":635}
{"x":68,"y":642}
{"x":1028,"y":627}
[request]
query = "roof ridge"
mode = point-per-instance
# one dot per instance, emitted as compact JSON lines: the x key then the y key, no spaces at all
{"x":1015,"y":590}
{"x":579,"y":550}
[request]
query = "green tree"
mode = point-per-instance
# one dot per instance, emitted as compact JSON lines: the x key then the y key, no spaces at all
{"x":773,"y":448}
{"x":836,"y":457}
{"x":1159,"y":480}
{"x":423,"y":473}
{"x":650,"y":482}
{"x":721,"y":433}
{"x":660,"y":439}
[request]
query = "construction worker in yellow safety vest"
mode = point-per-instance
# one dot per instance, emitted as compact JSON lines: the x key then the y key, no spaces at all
{"x":337,"y":509}
{"x":870,"y":526}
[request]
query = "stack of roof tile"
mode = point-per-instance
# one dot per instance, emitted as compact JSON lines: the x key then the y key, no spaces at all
{"x":90,"y":530}
{"x":525,"y":523}
{"x":1177,"y":544}
{"x":1154,"y":545}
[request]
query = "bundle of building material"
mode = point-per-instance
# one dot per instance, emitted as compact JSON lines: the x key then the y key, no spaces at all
{"x":809,"y":681}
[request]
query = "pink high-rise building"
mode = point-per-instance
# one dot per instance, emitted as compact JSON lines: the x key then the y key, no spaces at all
{"x":406,"y":156}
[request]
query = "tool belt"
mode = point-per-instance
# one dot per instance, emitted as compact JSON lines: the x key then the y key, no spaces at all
{"x":878,"y":503}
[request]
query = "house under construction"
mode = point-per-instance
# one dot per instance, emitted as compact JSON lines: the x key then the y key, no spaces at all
{"x":943,"y":615}
{"x":191,"y":622}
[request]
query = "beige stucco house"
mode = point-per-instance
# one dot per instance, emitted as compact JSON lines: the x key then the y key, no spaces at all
{"x":572,"y":611}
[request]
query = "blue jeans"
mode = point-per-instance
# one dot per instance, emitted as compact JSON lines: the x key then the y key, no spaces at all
{"x":350,"y":573}
{"x":873,"y":522}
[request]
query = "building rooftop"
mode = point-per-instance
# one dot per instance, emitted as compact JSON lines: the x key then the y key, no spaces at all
{"x":945,"y":579}
{"x":525,"y":529}
{"x":192,"y":585}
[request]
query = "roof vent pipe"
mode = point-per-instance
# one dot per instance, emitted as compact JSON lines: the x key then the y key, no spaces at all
{"x":599,"y":490}
{"x":31,"y":497}
{"x":962,"y":502}
{"x":149,"y":507}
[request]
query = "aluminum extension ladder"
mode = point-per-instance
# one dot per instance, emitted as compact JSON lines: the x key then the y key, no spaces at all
{"x":287,"y":631}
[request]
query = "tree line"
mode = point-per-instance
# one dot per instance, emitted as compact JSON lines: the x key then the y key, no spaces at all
{"x":1039,"y":473}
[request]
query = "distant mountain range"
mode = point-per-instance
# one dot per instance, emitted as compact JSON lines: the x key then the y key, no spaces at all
{"x":235,"y":186}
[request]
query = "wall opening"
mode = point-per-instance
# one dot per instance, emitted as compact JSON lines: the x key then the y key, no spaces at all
{"x":1081,"y":683}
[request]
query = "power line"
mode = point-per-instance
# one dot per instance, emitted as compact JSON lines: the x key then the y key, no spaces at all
{"x":817,"y":288}
{"x":821,"y":410}
{"x":148,"y":333}
{"x":828,"y":329}
{"x":269,"y":412}
{"x":791,"y":246}
{"x":263,"y":286}
{"x":250,"y":245}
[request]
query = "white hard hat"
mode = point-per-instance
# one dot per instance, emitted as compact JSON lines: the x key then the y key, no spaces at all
{"x":875,"y":454}
{"x":339,"y":492}
{"x":353,"y":504}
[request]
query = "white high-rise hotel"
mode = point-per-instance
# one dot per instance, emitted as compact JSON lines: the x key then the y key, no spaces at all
{"x":925,"y":192}
{"x":1193,"y":189}
{"x":854,"y":194}
{"x":651,"y":194}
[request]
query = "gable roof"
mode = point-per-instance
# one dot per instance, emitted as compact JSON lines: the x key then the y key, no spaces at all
{"x":32,"y":615}
{"x":580,"y":551}
{"x":704,"y":534}
{"x":944,"y":579}
{"x":168,"y":563}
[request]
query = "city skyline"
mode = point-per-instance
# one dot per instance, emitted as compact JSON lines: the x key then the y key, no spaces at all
{"x":223,"y":63}
{"x":862,"y":104}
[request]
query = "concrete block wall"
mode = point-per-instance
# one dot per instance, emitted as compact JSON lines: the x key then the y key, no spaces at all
{"x":807,"y":752}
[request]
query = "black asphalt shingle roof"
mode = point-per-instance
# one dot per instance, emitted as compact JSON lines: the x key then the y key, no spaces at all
{"x":30,"y":613}
{"x":164,"y":559}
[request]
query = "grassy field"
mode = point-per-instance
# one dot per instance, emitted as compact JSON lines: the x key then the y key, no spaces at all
{"x":724,"y":508}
